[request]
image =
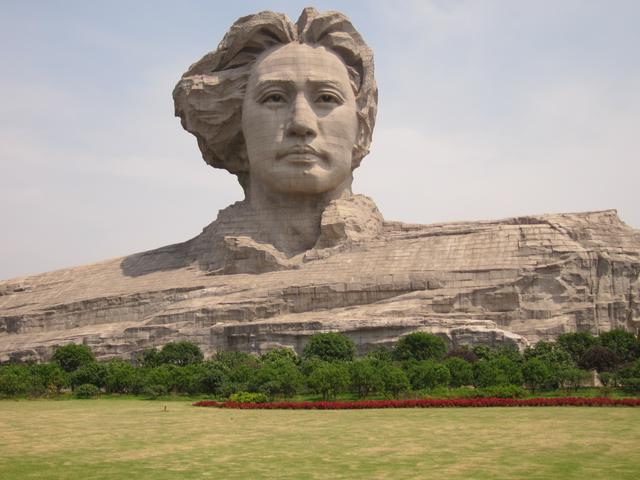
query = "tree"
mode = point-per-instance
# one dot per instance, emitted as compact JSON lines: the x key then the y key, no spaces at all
{"x":464,"y":353}
{"x":428,"y":374}
{"x":240,"y":368}
{"x":278,"y":377}
{"x":72,"y":356}
{"x":510,"y":366}
{"x":86,"y":390}
{"x":599,"y":358}
{"x":94,"y":373}
{"x":214,"y":376}
{"x":14,"y":380}
{"x":576,"y":343}
{"x":380,"y":355}
{"x":628,"y":377}
{"x":487,"y":374}
{"x":47,"y":378}
{"x":365,"y":377}
{"x":394,"y":380}
{"x":549,"y":352}
{"x":150,"y":358}
{"x":420,"y":346}
{"x":280,"y":353}
{"x":483,"y":352}
{"x":122,"y":377}
{"x":537,"y":374}
{"x":329,"y":379}
{"x":330,"y":347}
{"x":164,"y":377}
{"x":570,"y":377}
{"x":188,"y":379}
{"x":624,"y":344}
{"x":460,"y":370}
{"x":180,"y":353}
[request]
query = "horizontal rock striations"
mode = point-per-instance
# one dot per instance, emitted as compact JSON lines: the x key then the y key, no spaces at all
{"x":517,"y":280}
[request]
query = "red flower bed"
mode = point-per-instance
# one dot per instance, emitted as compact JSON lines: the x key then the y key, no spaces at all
{"x":432,"y":403}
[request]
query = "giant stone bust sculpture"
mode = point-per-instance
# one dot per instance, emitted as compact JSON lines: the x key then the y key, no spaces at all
{"x":290,"y":110}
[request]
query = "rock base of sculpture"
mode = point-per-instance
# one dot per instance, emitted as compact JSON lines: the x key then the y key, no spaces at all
{"x":517,"y":280}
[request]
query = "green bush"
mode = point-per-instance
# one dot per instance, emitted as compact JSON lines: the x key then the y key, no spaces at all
{"x":365,"y":377}
{"x":625,"y":345}
{"x":428,"y":374}
{"x":278,"y":377}
{"x":180,"y":353}
{"x":630,"y":385}
{"x":33,"y":380}
{"x":463,"y":352}
{"x":122,"y":377}
{"x":570,"y":377}
{"x":576,"y":343}
{"x":153,"y":392}
{"x":150,"y":358}
{"x":72,"y":356}
{"x":608,"y":379}
{"x":213,"y":376}
{"x":329,"y":347}
{"x":599,"y":358}
{"x":510,"y":366}
{"x":487,"y":374}
{"x":549,"y":353}
{"x":380,"y":355}
{"x":280,"y":353}
{"x":537,"y":374}
{"x":51,"y":376}
{"x":482,"y":352}
{"x":329,"y":379}
{"x":93,"y":372}
{"x":248,"y":397}
{"x":419,"y":346}
{"x":240,"y":368}
{"x":460,"y":370}
{"x":86,"y":390}
{"x":15,"y":380}
{"x":188,"y":379}
{"x":628,"y":377}
{"x":165,"y":375}
{"x":459,"y":392}
{"x":394,"y":381}
{"x":502,"y":391}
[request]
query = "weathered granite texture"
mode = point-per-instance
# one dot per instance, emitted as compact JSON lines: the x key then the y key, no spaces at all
{"x":290,"y":109}
{"x":515,"y":280}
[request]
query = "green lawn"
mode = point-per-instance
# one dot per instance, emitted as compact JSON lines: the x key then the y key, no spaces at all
{"x":132,"y":438}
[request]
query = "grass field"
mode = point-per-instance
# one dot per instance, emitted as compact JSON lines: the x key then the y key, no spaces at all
{"x":132,"y":438}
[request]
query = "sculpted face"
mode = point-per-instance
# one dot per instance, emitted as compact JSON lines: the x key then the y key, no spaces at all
{"x":299,"y":121}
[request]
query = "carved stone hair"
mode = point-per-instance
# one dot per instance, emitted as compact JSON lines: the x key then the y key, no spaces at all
{"x":209,"y":96}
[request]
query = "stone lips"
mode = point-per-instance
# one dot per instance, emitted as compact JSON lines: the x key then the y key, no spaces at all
{"x":517,"y":280}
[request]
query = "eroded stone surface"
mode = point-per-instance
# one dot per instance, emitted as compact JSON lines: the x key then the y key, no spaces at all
{"x":516,"y":280}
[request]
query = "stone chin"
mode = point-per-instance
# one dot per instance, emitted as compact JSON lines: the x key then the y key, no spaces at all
{"x":310,"y":179}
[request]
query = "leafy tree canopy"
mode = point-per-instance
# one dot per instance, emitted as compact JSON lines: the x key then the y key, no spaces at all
{"x":420,"y":346}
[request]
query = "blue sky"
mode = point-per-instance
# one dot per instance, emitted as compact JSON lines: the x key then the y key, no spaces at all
{"x":488,"y":109}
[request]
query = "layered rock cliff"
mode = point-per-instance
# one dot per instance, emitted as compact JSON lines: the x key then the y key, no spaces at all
{"x":516,"y":280}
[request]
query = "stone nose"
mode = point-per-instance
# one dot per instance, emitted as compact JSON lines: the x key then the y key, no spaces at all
{"x":303,"y":121}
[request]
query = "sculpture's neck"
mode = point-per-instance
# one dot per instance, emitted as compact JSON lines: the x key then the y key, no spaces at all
{"x":291,"y":222}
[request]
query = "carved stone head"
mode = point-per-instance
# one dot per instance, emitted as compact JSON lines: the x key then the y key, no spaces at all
{"x":291,"y":106}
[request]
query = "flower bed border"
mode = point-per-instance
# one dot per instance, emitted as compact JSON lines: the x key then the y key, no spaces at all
{"x":431,"y":403}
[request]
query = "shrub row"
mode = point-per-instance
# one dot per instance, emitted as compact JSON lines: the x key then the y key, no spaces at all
{"x":419,"y":363}
{"x":430,"y":403}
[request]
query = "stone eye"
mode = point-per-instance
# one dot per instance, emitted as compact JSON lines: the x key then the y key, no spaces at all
{"x":274,"y":98}
{"x":328,"y":98}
